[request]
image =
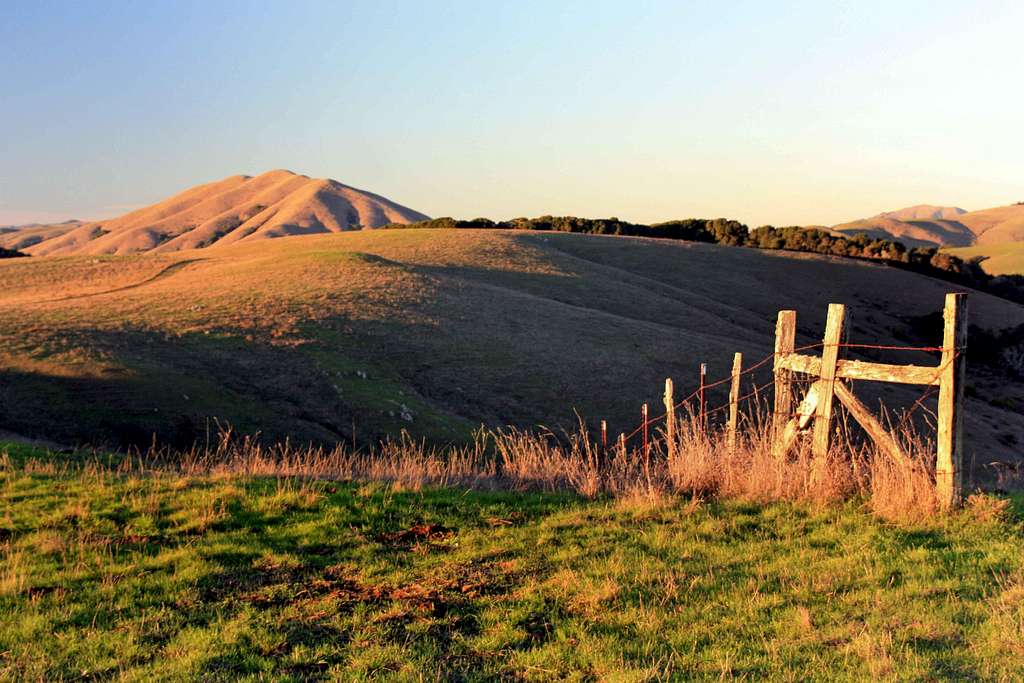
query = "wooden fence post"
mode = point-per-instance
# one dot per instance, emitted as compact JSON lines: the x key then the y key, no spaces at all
{"x":734,"y":400}
{"x":701,"y":401}
{"x":785,"y":343}
{"x":949,"y":471}
{"x":604,"y":435}
{"x":643,"y":414}
{"x":834,"y":328}
{"x":670,"y":418}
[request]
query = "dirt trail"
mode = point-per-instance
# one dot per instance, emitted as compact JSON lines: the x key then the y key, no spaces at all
{"x":165,"y":272}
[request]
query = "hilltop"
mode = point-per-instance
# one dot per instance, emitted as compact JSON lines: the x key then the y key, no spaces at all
{"x":236,"y":209}
{"x":357,"y":335}
{"x":925,"y":212}
{"x":17,"y":237}
{"x":927,"y":225}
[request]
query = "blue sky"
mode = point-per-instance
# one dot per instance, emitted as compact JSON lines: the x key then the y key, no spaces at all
{"x":782,"y":112}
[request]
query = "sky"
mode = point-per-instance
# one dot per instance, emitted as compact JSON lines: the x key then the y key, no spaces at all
{"x":777,"y":113}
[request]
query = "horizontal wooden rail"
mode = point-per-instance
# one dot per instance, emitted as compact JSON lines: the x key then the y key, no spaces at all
{"x":859,"y":369}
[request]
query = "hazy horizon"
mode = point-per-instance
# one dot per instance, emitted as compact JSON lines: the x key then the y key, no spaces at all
{"x":790,"y":114}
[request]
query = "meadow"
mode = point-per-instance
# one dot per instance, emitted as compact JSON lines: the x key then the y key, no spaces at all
{"x":522,"y":558}
{"x":314,"y":543}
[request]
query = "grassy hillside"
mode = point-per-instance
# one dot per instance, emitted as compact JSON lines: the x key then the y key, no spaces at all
{"x":240,"y":208}
{"x":1000,"y":259}
{"x":997,"y":225}
{"x":911,"y":232}
{"x":357,"y":335}
{"x":24,"y":236}
{"x":944,"y":226}
{"x":118,"y":574}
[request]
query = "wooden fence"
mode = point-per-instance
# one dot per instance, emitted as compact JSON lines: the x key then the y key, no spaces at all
{"x":827,"y":378}
{"x":830,"y":369}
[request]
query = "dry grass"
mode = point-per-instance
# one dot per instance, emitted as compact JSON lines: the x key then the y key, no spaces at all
{"x":460,"y":327}
{"x":13,"y":576}
{"x":698,"y":463}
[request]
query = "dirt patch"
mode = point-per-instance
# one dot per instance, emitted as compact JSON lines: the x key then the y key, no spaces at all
{"x":415,"y":536}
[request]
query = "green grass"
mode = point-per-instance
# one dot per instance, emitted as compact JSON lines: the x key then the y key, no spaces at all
{"x":133,"y":577}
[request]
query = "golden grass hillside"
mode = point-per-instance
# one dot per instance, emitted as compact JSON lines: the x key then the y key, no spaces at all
{"x":24,"y":236}
{"x":998,"y":259}
{"x":358,"y":335}
{"x":996,"y":225}
{"x":274,"y":204}
{"x":926,"y":212}
{"x":937,"y":226}
{"x":912,"y":232}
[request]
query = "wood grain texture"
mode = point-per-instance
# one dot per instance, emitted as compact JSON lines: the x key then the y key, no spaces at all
{"x":885,"y":442}
{"x":785,"y":342}
{"x":734,"y":400}
{"x":835,"y":326}
{"x":949,"y":469}
{"x":864,"y":370}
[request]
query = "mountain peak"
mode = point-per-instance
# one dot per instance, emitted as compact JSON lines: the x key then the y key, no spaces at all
{"x":925,"y":212}
{"x":277,"y":203}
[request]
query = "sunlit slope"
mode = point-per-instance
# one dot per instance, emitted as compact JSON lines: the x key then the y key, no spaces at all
{"x":367,"y":333}
{"x":240,"y":208}
{"x":999,"y":259}
{"x":997,"y":225}
{"x":24,"y":236}
{"x":938,"y":226}
{"x":913,"y":233}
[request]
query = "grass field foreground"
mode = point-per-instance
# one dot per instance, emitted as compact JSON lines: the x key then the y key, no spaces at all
{"x":109,"y":573}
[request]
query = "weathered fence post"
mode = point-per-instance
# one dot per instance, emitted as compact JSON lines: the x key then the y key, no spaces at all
{"x":785,"y":343}
{"x":670,"y":417}
{"x":701,"y":401}
{"x":949,"y":471}
{"x":834,"y":327}
{"x":829,"y":369}
{"x":734,"y":400}
{"x":643,"y":414}
{"x":604,"y":435}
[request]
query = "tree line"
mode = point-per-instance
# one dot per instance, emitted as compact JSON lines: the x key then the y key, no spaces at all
{"x":723,"y":231}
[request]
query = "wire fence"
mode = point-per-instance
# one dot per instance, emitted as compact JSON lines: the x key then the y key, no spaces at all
{"x":703,"y":413}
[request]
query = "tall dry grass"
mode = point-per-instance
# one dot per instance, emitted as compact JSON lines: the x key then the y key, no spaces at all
{"x":696,"y":463}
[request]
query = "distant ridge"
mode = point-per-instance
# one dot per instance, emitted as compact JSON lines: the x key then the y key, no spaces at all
{"x":239,"y":208}
{"x":925,"y":212}
{"x":926,"y":225}
{"x":20,"y":237}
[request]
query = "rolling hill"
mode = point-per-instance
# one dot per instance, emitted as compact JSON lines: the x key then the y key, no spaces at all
{"x":998,"y":225}
{"x":937,"y":226}
{"x":20,"y":237}
{"x":913,"y":233}
{"x":356,"y":335}
{"x":240,"y":208}
{"x":997,"y":259}
{"x":926,"y":212}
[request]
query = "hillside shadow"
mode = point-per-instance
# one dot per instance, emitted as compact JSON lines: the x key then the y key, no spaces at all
{"x":487,"y":345}
{"x":179,"y":391}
